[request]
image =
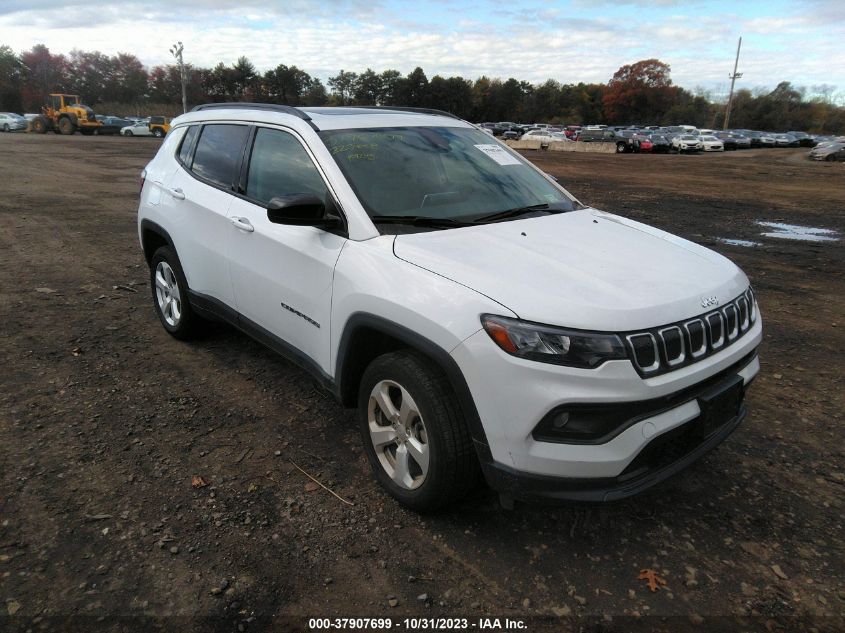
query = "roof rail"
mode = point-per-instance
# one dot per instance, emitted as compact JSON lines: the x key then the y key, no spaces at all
{"x":244,"y":105}
{"x":409,"y":109}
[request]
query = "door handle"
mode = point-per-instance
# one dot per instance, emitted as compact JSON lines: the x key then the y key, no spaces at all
{"x":242,"y":223}
{"x":176,"y":193}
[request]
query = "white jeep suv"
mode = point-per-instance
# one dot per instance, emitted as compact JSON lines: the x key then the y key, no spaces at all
{"x":481,"y":319}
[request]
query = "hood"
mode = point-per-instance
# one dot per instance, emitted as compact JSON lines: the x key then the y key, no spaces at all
{"x":584,"y":269}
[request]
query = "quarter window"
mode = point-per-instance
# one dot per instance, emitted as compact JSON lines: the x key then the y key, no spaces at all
{"x":188,"y":145}
{"x":279,"y":165}
{"x":218,"y":152}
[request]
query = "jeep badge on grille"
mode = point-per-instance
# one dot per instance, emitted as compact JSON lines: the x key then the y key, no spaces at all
{"x":706,"y":302}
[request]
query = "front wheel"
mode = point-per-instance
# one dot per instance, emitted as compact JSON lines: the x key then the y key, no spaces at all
{"x":6,"y":128}
{"x":158,"y":132}
{"x":620,"y":148}
{"x":830,"y":158}
{"x":414,"y":433}
{"x":127,"y":133}
{"x":39,"y":124}
{"x":66,"y":126}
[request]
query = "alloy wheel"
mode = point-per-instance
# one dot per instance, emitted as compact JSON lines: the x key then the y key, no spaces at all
{"x":398,"y":434}
{"x":167,"y":294}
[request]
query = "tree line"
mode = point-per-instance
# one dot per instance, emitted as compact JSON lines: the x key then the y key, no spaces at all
{"x":640,"y":93}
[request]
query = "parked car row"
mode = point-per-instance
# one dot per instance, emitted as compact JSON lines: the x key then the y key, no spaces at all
{"x":157,"y":126}
{"x":656,"y":139}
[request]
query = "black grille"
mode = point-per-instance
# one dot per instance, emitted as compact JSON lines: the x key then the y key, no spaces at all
{"x":676,"y":345}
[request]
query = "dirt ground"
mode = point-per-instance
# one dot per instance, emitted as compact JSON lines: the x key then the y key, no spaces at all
{"x":104,"y":420}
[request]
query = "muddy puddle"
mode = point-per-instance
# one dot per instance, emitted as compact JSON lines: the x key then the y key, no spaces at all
{"x":732,"y":242}
{"x":784,"y":231}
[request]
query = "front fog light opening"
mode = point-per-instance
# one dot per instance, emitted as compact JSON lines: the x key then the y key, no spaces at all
{"x":560,"y":420}
{"x":584,"y":424}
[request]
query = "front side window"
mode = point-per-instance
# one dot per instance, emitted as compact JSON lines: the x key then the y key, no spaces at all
{"x":218,"y":152}
{"x":442,"y":173}
{"x":279,"y":166}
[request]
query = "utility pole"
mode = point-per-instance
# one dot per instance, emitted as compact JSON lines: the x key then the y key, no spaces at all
{"x":176,"y":51}
{"x":734,"y":76}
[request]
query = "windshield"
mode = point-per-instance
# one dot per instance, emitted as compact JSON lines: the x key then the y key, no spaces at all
{"x":438,"y":172}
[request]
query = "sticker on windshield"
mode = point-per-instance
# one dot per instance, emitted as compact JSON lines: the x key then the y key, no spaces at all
{"x":498,"y":153}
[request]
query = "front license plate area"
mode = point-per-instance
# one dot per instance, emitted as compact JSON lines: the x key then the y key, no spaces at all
{"x":719,"y":405}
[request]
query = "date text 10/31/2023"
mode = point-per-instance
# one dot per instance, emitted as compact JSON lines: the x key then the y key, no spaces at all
{"x":418,"y":624}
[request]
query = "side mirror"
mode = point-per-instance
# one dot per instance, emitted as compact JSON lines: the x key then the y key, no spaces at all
{"x":303,"y":209}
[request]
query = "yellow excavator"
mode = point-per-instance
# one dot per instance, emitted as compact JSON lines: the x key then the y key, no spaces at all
{"x":65,"y":114}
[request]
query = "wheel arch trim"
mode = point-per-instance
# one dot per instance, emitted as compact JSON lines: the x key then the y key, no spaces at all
{"x":148,"y":226}
{"x":359,"y":321}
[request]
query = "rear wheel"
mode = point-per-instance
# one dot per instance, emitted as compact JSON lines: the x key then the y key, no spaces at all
{"x":158,"y":132}
{"x":414,"y":433}
{"x":620,"y":148}
{"x":170,"y":295}
{"x":66,"y":126}
{"x":6,"y":127}
{"x":39,"y":125}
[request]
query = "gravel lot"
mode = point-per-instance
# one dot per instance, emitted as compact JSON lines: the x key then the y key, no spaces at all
{"x":105,"y":420}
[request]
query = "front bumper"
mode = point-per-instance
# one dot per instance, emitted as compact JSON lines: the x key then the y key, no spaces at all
{"x":512,"y":395}
{"x":664,"y":456}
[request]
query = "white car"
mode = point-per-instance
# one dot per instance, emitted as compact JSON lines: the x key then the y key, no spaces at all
{"x":544,"y":135}
{"x":11,"y":122}
{"x":711,"y":144}
{"x":480,"y":319}
{"x":686,"y":143}
{"x":141,"y":128}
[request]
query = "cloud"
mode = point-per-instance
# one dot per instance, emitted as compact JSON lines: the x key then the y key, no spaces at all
{"x":525,"y":40}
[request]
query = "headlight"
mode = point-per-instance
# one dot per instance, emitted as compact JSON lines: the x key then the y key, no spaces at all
{"x":549,"y":344}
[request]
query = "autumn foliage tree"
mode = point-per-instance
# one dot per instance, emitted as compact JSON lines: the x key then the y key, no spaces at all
{"x":639,"y":93}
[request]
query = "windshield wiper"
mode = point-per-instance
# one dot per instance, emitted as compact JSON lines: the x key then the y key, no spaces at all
{"x":512,"y":213}
{"x":419,"y":220}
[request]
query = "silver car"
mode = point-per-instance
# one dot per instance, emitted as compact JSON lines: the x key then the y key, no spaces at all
{"x":831,"y":152}
{"x":11,"y":122}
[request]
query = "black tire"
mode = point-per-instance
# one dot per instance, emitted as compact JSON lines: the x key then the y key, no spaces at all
{"x":6,"y":127}
{"x":620,"y":148}
{"x":66,"y":126}
{"x":158,"y":132}
{"x":189,"y":324}
{"x":127,"y":133}
{"x":39,"y":124}
{"x":453,"y":469}
{"x":830,"y":158}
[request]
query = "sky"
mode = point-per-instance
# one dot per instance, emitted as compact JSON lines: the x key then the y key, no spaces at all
{"x":574,"y":40}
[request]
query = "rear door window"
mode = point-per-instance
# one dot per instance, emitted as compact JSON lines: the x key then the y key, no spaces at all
{"x":218,"y":153}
